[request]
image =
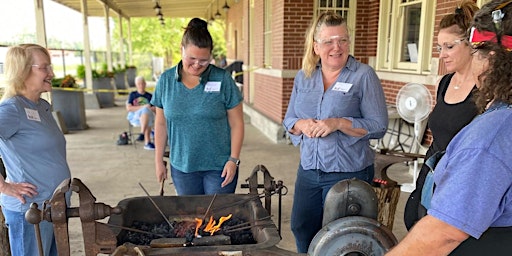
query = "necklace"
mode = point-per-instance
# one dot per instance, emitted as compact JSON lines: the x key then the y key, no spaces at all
{"x":456,"y":86}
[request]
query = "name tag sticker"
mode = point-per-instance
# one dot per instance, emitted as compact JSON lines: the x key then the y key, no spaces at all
{"x":212,"y":87}
{"x":32,"y":114}
{"x":342,"y":87}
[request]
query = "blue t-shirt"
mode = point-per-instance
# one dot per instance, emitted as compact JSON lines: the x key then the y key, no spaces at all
{"x":33,"y":149}
{"x":137,"y":99}
{"x":357,"y":95}
{"x":474,"y":178}
{"x":197,"y":121}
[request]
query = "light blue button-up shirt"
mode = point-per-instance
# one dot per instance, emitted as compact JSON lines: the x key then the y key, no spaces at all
{"x":363,"y":103}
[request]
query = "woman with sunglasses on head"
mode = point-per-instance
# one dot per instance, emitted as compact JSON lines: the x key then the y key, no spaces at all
{"x":199,"y":115}
{"x":337,"y":105}
{"x":32,"y":147}
{"x":455,"y":107}
{"x":471,"y":208}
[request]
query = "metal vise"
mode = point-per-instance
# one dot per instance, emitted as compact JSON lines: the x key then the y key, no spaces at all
{"x":98,"y":237}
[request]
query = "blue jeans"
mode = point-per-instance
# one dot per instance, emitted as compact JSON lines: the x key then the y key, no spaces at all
{"x":311,"y":187}
{"x":22,"y":236}
{"x":201,"y":182}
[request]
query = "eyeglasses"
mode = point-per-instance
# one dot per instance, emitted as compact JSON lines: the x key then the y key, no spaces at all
{"x":47,"y":68}
{"x":329,"y":42}
{"x":200,"y":62}
{"x":447,"y":47}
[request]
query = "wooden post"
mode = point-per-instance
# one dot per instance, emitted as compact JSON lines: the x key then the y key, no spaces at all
{"x":388,"y":200}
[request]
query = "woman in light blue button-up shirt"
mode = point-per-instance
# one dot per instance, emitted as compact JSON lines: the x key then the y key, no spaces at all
{"x":337,"y":105}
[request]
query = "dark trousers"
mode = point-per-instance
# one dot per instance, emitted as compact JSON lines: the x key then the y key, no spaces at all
{"x":311,"y":187}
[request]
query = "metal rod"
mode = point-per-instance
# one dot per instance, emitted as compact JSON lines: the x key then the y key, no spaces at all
{"x":246,"y":223}
{"x":244,"y":228}
{"x":209,"y":206}
{"x":156,"y":206}
{"x":39,"y":240}
{"x":134,"y":230}
{"x":257,"y":196}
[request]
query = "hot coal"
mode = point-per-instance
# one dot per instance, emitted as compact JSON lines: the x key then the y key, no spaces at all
{"x":183,"y":229}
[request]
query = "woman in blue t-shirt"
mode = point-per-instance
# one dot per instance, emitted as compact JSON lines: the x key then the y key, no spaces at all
{"x":199,"y":115}
{"x":32,"y":147}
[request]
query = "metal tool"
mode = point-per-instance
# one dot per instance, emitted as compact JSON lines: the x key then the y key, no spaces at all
{"x":156,"y":206}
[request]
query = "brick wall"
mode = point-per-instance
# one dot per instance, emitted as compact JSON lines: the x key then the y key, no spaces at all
{"x":290,"y":20}
{"x":366,"y":30}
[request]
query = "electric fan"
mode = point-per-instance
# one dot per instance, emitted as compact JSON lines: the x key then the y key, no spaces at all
{"x":413,"y":105}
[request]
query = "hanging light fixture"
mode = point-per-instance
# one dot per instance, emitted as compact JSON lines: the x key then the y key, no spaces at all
{"x":157,"y":7}
{"x":217,"y":14}
{"x":226,"y":6}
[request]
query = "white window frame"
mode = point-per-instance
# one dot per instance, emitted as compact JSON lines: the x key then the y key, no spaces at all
{"x":391,"y":26}
{"x":350,"y":17}
{"x":479,"y":3}
{"x":267,"y":33}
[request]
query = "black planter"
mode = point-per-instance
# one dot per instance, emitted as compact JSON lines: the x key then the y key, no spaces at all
{"x":131,"y":73}
{"x":105,"y":98}
{"x":120,"y":80}
{"x":71,"y":105}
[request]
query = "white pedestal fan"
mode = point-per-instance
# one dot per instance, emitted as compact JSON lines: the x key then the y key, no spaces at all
{"x":413,"y":103}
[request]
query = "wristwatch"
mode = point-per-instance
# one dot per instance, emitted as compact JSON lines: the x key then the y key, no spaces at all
{"x":234,"y":160}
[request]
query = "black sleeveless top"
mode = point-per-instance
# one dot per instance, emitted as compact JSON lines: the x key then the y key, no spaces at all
{"x":446,"y":120}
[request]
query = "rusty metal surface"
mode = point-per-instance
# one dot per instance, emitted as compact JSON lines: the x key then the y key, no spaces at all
{"x":385,"y":159}
{"x":98,"y":238}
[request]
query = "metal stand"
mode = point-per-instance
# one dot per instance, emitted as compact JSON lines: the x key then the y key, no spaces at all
{"x":270,"y":187}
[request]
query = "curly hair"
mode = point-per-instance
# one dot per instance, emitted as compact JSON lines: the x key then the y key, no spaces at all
{"x":461,"y":17}
{"x":496,"y":81}
{"x":18,"y":61}
{"x":310,"y":59}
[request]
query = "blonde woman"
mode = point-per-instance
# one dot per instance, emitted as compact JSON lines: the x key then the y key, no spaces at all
{"x":32,"y":147}
{"x":337,"y":105}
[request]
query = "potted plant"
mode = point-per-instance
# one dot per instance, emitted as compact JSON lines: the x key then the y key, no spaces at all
{"x":131,"y":73}
{"x":68,"y":99}
{"x":120,"y":78}
{"x":102,"y":84}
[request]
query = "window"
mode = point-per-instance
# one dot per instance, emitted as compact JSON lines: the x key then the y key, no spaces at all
{"x":346,"y":8}
{"x":405,"y":35}
{"x":268,"y":34}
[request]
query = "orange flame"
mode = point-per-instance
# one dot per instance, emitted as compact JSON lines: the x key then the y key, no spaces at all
{"x":212,"y":228}
{"x":199,"y":222}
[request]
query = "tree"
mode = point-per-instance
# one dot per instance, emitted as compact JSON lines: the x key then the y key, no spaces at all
{"x":150,"y":37}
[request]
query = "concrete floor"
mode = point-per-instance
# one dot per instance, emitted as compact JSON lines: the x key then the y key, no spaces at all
{"x":113,"y":172}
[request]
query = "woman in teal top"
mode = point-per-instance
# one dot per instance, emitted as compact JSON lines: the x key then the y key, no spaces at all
{"x":199,"y":114}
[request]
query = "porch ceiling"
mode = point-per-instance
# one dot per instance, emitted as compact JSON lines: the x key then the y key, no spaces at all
{"x":144,"y":8}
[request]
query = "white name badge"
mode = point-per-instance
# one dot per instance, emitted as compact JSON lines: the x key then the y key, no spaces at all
{"x":32,"y":114}
{"x":212,"y":87}
{"x":342,"y":87}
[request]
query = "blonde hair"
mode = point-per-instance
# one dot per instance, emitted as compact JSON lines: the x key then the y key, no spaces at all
{"x":18,"y":65}
{"x":310,"y":59}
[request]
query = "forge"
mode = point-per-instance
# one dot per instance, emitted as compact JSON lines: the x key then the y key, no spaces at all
{"x":169,"y":223}
{"x":245,"y":207}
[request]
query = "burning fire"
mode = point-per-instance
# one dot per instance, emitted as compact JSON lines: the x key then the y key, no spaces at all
{"x":210,"y":227}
